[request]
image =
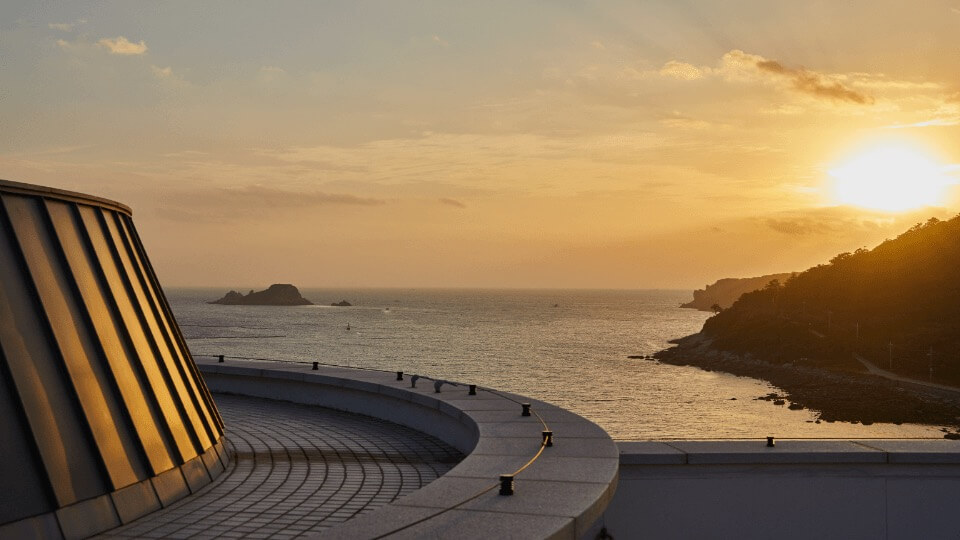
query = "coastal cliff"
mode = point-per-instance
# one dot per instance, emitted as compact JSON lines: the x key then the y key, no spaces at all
{"x":279,"y":294}
{"x":725,"y":292}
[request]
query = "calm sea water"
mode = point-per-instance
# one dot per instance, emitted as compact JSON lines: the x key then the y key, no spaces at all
{"x":568,"y":347}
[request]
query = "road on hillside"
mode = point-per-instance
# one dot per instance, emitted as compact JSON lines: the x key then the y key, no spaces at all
{"x":875,"y":370}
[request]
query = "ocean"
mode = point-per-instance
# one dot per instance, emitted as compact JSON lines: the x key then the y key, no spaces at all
{"x":568,"y":347}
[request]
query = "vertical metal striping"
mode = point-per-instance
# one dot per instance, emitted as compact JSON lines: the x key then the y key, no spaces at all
{"x":135,"y":238}
{"x":179,"y":356}
{"x":176,"y":384}
{"x":106,"y":328}
{"x":158,"y":386}
{"x":122,"y":455}
{"x":141,"y":395}
{"x":22,"y":503}
{"x":63,"y":436}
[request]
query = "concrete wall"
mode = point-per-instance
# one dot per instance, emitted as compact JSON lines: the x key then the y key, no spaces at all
{"x":798,"y":489}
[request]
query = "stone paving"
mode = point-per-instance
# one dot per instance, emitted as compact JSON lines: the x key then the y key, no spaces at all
{"x":297,"y":470}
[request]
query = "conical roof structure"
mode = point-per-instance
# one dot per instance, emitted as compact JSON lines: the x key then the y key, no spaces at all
{"x":103,"y":414}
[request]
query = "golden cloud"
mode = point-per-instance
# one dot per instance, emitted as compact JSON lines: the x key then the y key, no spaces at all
{"x":121,"y":45}
{"x":681,"y":70}
{"x":739,"y":65}
{"x":814,"y":84}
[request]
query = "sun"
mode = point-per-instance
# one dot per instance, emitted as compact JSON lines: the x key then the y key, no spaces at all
{"x":893,"y":177}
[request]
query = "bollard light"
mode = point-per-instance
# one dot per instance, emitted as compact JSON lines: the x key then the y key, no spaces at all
{"x":506,"y":484}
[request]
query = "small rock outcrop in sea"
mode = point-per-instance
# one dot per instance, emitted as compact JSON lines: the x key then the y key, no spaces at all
{"x":278,"y":294}
{"x":342,"y":303}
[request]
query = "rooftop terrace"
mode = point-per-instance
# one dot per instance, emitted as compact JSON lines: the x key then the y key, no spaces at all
{"x":296,"y":470}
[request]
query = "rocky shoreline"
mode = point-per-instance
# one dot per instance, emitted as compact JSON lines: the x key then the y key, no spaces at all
{"x":835,"y":396}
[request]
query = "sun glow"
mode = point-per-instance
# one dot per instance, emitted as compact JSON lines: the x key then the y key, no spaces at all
{"x":890,"y":177}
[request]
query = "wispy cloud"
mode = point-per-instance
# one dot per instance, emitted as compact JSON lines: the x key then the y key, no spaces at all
{"x":739,"y":65}
{"x":682,"y":121}
{"x":681,"y":70}
{"x":281,"y":198}
{"x":271,"y":74}
{"x":933,"y":122}
{"x":943,"y":112}
{"x":161,"y":73}
{"x":452,"y":202}
{"x":834,"y":221}
{"x":228,"y":203}
{"x":815,"y":84}
{"x":799,"y":226}
{"x":66,"y":27}
{"x":121,"y":45}
{"x":65,"y":45}
{"x":185,"y":153}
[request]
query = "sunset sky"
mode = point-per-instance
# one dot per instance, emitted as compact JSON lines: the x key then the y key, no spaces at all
{"x":655,"y":144}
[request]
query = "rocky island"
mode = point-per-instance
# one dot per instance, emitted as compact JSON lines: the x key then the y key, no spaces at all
{"x":278,"y":294}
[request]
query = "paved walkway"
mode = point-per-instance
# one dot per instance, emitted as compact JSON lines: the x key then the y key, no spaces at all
{"x":298,"y":469}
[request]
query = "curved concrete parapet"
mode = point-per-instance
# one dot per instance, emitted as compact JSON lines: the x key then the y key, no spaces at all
{"x":561,"y":494}
{"x":103,"y":414}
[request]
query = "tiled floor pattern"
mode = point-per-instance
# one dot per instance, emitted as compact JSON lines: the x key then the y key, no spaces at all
{"x":297,"y":470}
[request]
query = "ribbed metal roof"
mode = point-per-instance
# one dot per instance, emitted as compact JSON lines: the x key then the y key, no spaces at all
{"x":103,"y":414}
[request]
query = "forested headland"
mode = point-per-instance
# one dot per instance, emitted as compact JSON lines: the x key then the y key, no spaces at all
{"x":897,"y":305}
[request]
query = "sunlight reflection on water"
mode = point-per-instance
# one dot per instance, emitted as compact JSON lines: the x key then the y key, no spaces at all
{"x":566,"y":347}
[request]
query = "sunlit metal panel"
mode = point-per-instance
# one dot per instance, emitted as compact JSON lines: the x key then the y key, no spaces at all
{"x":98,"y":391}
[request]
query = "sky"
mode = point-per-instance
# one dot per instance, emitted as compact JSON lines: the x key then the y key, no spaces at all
{"x":635,"y":144}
